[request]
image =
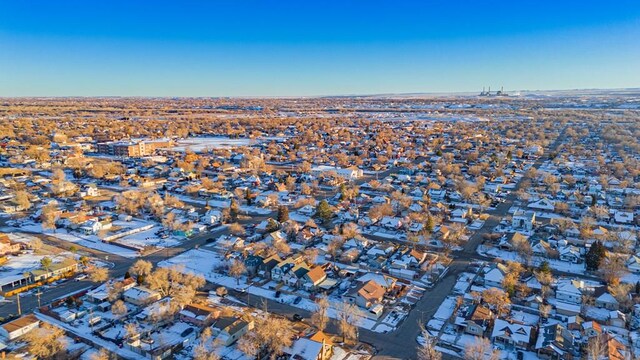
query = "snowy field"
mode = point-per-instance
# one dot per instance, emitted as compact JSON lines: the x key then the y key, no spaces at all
{"x":201,"y":144}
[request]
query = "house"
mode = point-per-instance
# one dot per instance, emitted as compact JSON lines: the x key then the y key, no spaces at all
{"x":90,"y":190}
{"x":513,"y":334}
{"x":351,"y":173}
{"x":228,"y":329}
{"x":477,"y":320}
{"x":541,"y":248}
{"x":570,"y":254}
{"x":199,"y":315}
{"x":140,"y":295}
{"x":366,"y":295}
{"x":604,"y":299}
{"x":436,"y":194}
{"x":386,"y":282}
{"x":567,"y":291}
{"x":633,"y":263}
{"x":591,"y":329}
{"x":313,"y":278}
{"x":557,"y":343}
{"x":268,"y":264}
{"x":511,"y":240}
{"x":414,"y":257}
{"x":281,"y":269}
{"x":91,"y":227}
{"x":294,"y":277}
{"x":307,"y":210}
{"x":523,"y":220}
{"x":542,"y":204}
{"x":391,"y":223}
{"x":617,"y":319}
{"x":309,"y":349}
{"x":18,"y":327}
{"x":212,"y":217}
{"x":494,"y":277}
{"x":622,"y":217}
{"x":7,"y":247}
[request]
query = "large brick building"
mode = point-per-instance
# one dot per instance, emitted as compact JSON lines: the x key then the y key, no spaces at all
{"x":134,"y":148}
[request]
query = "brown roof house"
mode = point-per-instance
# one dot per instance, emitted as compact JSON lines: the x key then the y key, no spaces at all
{"x":368,"y":296}
{"x":478,"y":320}
{"x":313,"y":278}
{"x":199,"y":315}
{"x":18,"y":327}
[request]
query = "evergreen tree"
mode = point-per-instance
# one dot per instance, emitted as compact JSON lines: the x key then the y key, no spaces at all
{"x":429,"y":226}
{"x":248,"y":196}
{"x":544,"y":267}
{"x":324,"y":211}
{"x":283,"y":214}
{"x":343,"y":189}
{"x":594,"y":256}
{"x":234,"y":209}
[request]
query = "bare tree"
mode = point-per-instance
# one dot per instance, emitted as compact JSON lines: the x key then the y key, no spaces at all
{"x":481,"y":349}
{"x":270,"y":336}
{"x":131,"y":330}
{"x":612,"y":269}
{"x":119,"y":309}
{"x":100,"y":355}
{"x":237,"y":269}
{"x":46,"y":341}
{"x":49,"y":216}
{"x":141,"y":267}
{"x":22,"y":200}
{"x":236,"y":229}
{"x":320,"y":316}
{"x":497,"y":299}
{"x":426,"y":349}
{"x":596,"y":348}
{"x":99,"y":274}
{"x":348,"y":318}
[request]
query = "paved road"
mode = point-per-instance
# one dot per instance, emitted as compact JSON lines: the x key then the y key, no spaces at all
{"x":120,"y":265}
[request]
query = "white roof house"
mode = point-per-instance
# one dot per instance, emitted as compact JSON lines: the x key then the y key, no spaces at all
{"x":514,"y":334}
{"x":542,"y":204}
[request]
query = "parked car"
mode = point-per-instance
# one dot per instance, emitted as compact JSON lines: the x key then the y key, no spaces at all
{"x":297,"y":317}
{"x":297,"y":300}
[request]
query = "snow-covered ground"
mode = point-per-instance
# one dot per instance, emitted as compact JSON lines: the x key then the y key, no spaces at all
{"x":553,"y":263}
{"x":205,"y":263}
{"x":140,"y":239}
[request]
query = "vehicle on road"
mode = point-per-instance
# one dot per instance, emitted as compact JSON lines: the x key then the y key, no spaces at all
{"x":81,"y":277}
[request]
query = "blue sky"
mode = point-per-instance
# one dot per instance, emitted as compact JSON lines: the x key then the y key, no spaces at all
{"x":288,"y":48}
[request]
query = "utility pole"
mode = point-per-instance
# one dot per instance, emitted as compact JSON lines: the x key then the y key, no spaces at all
{"x":38,"y":296}
{"x":18,"y":301}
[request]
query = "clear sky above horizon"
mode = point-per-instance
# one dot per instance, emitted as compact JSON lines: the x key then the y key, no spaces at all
{"x":289,"y":48}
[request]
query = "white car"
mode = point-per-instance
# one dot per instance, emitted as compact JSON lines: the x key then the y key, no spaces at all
{"x":81,"y":277}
